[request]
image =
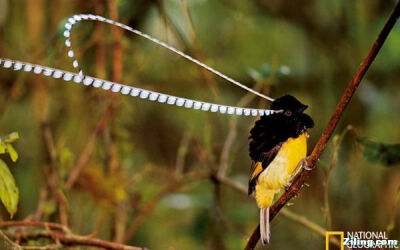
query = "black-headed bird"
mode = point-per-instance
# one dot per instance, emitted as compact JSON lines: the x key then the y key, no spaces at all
{"x":278,"y":148}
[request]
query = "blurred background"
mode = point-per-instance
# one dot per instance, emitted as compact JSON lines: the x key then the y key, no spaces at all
{"x":163,"y":177}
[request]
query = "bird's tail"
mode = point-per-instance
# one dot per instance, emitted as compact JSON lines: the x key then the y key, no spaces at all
{"x":264,"y":225}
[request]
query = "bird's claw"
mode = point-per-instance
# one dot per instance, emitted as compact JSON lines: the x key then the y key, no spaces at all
{"x":304,"y":164}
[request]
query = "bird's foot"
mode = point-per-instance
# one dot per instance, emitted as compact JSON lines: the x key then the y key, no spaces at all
{"x":302,"y":165}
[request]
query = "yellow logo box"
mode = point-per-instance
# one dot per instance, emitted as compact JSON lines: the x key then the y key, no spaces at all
{"x":334,"y":233}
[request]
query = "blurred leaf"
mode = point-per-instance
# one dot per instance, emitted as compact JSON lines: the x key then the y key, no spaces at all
{"x":376,"y":152}
{"x":50,"y":207}
{"x":6,"y":147}
{"x":66,"y":158}
{"x":10,"y":138}
{"x":390,"y":227}
{"x":9,"y":193}
{"x":335,"y":139}
{"x":12,"y":152}
{"x":261,"y":73}
{"x":266,"y":70}
{"x":120,"y":194}
{"x":283,"y":70}
{"x":254,"y":74}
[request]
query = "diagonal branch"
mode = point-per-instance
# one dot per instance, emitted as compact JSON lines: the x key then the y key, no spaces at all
{"x":294,"y":189}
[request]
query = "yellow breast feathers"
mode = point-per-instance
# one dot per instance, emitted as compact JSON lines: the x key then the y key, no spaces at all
{"x":279,"y":171}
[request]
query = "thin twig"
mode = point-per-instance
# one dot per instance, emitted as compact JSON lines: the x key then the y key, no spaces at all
{"x":208,"y":77}
{"x":235,"y":185}
{"x":86,"y":153}
{"x":332,"y":165}
{"x":47,"y":247}
{"x":52,"y":180}
{"x":63,"y":235}
{"x":294,"y":189}
{"x":98,"y":40}
{"x":302,"y":220}
{"x":232,"y":133}
{"x":51,"y":225}
{"x":85,"y":241}
{"x":6,"y":242}
{"x":114,"y":165}
{"x":230,"y":139}
{"x":118,"y":49}
{"x":181,"y":153}
{"x":41,"y":206}
{"x":37,"y":215}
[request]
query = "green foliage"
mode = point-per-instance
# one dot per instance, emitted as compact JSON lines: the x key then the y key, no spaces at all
{"x":9,"y":193}
{"x":266,"y":70}
{"x":378,"y":152}
{"x":6,"y":146}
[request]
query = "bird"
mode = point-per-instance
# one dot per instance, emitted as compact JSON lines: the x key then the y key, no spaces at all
{"x":278,"y":149}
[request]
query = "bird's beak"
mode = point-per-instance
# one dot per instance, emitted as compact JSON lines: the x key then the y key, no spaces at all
{"x":304,"y":108}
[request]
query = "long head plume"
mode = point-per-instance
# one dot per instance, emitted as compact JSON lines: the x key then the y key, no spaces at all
{"x":80,"y":77}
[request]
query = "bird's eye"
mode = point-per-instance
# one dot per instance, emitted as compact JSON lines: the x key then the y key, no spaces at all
{"x":288,"y":113}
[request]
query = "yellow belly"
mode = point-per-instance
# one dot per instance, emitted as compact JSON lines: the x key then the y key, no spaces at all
{"x":279,"y":171}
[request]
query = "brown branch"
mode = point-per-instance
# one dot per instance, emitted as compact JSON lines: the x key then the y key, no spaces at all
{"x":86,"y":241}
{"x":37,"y":215}
{"x":234,"y":185}
{"x":50,"y":225}
{"x":41,"y":206}
{"x":208,"y":77}
{"x":117,"y":37}
{"x":294,"y":189}
{"x":181,"y":153}
{"x":114,"y":165}
{"x":63,"y":236}
{"x":6,"y":242}
{"x":52,"y":179}
{"x":230,"y":139}
{"x":86,"y":153}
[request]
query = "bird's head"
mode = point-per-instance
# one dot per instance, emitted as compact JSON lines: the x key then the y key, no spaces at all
{"x":289,"y":105}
